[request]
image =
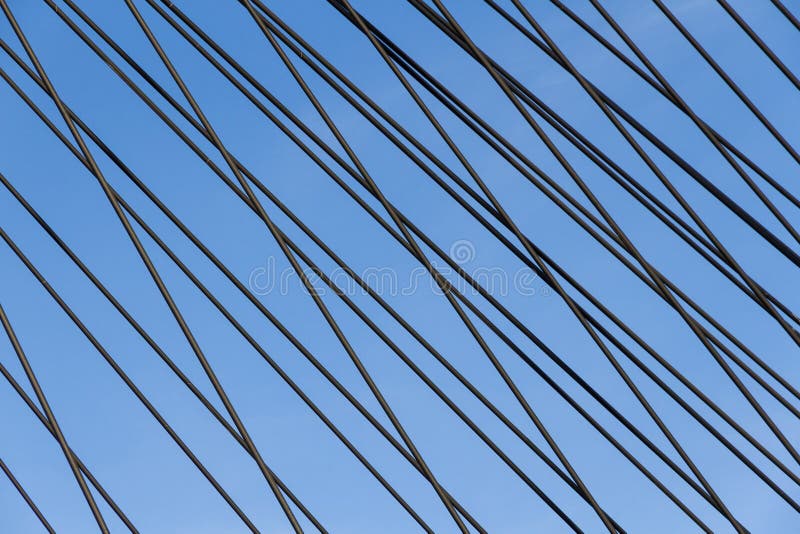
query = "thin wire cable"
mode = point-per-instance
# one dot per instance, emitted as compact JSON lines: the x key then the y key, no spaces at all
{"x":118,"y":370}
{"x":738,"y":455}
{"x":760,"y":43}
{"x":658,"y":87}
{"x":85,"y":470}
{"x":567,"y":299}
{"x":40,"y":396}
{"x":25,"y":497}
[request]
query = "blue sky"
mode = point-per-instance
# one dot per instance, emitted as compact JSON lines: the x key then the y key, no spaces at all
{"x":147,"y":474}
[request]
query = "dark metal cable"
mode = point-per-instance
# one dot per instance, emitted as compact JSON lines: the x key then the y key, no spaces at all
{"x":760,"y":362}
{"x":609,"y":332}
{"x":531,"y":100}
{"x":85,"y":470}
{"x":786,"y":13}
{"x":585,"y":26}
{"x":96,"y":140}
{"x":124,"y":312}
{"x":678,"y":397}
{"x":684,"y":381}
{"x":272,"y":198}
{"x":493,"y":359}
{"x":567,"y":299}
{"x":760,"y":43}
{"x":25,"y":497}
{"x":142,"y":398}
{"x":40,"y":396}
{"x":298,"y":78}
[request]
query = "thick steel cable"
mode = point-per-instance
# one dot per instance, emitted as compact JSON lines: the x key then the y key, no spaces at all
{"x":356,"y":175}
{"x":786,"y":13}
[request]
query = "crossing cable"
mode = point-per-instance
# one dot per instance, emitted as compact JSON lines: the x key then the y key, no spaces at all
{"x":743,"y":389}
{"x":25,"y":497}
{"x":111,"y":155}
{"x":85,"y":470}
{"x":205,"y":158}
{"x":586,"y":27}
{"x":491,"y":407}
{"x":426,"y":263}
{"x":531,"y":100}
{"x":624,"y":349}
{"x":772,"y":373}
{"x":760,"y":43}
{"x":616,"y":253}
{"x":62,"y":442}
{"x":124,"y":312}
{"x":407,"y":225}
{"x":143,"y":255}
{"x":142,"y":398}
{"x":567,"y":299}
{"x":307,"y":284}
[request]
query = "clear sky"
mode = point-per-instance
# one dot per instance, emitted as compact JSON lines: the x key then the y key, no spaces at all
{"x":146,"y":472}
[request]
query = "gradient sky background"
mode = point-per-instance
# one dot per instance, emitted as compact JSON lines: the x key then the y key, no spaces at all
{"x":143,"y":469}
